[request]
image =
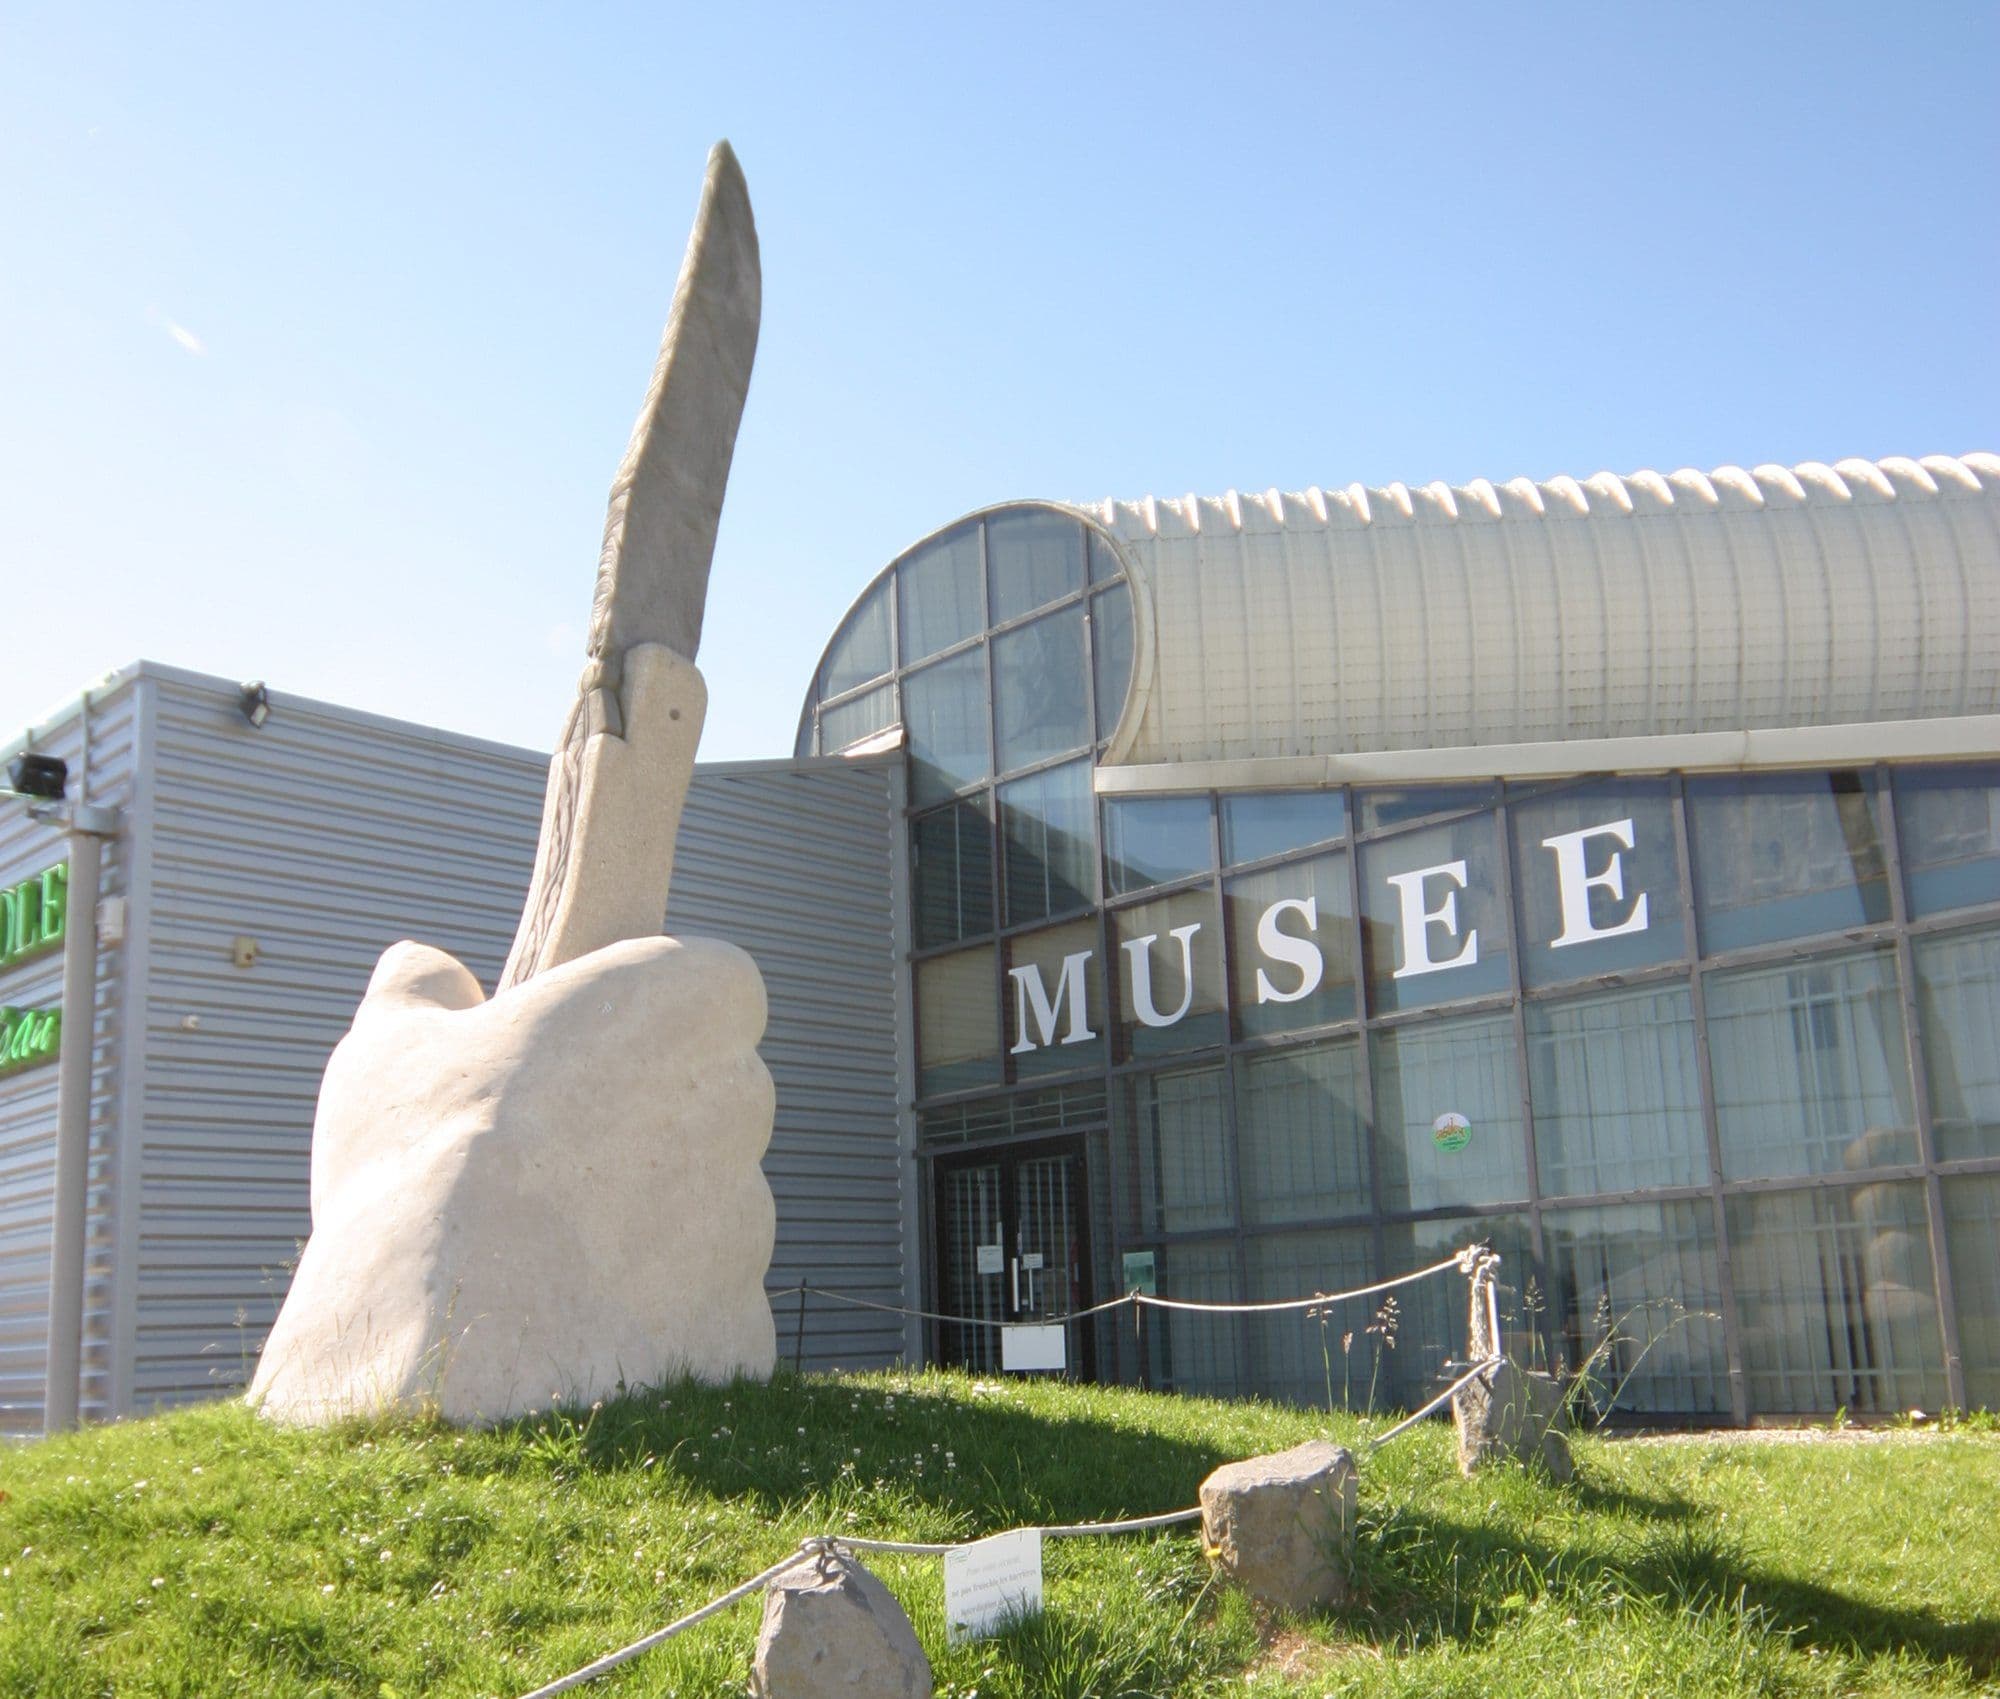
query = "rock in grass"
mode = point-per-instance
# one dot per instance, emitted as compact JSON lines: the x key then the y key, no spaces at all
{"x":1279,"y":1524}
{"x":1513,"y":1412}
{"x":830,"y":1628}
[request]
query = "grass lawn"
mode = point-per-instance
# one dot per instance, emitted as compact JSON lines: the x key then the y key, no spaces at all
{"x":207,"y":1553}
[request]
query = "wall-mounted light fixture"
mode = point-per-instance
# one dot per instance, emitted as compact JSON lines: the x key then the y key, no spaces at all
{"x":43,"y":777}
{"x":255,"y":701}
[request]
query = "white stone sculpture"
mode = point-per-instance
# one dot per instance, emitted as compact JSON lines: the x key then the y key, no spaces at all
{"x":555,"y":1191}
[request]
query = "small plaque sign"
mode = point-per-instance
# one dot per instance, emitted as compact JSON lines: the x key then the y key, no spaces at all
{"x":1030,"y":1346}
{"x":992,"y":1582}
{"x":1142,"y":1273}
{"x":989,"y":1259}
{"x":1451,"y":1131}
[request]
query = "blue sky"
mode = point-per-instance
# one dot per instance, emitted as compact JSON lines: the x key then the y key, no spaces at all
{"x":323,"y":331}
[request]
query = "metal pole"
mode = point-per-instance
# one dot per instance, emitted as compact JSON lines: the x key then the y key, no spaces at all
{"x":799,"y":1332}
{"x":72,"y":1177}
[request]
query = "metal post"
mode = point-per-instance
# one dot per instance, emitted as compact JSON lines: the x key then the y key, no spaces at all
{"x":72,"y":1176}
{"x":799,"y":1332}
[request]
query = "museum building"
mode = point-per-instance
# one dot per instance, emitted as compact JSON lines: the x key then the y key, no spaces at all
{"x":1236,"y":899}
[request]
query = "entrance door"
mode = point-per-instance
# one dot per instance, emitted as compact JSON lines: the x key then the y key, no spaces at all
{"x":1010,"y":1248}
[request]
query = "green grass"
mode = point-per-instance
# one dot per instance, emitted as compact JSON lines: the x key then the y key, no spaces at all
{"x":208,"y":1553}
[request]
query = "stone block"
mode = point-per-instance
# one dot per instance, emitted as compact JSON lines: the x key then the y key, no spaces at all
{"x":1279,"y":1524}
{"x":1513,"y":1412}
{"x":832,"y":1629}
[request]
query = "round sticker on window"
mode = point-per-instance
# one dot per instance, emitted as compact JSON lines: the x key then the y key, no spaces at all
{"x":1451,"y":1131}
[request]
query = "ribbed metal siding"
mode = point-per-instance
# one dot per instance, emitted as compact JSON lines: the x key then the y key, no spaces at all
{"x":28,"y":1098}
{"x":329,"y":835}
{"x":324,"y":837}
{"x":795,"y":866}
{"x":1343,"y":622}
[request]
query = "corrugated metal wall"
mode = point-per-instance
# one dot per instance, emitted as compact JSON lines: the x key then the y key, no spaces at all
{"x":28,"y":1098}
{"x":330,"y":834}
{"x":796,"y":865}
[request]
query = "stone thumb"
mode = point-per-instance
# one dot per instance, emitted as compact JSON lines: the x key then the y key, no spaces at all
{"x":419,"y":976}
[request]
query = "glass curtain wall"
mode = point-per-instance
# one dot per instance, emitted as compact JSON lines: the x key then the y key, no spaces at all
{"x":1712,"y":1061}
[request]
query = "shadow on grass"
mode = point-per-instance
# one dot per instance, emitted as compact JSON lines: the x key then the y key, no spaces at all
{"x":1418,"y":1573}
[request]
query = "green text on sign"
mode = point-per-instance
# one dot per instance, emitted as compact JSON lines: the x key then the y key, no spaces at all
{"x":34,"y":914}
{"x":28,"y":1036}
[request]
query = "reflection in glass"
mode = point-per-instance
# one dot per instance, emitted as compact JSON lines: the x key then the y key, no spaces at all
{"x":1600,"y":882}
{"x":944,"y":714}
{"x":1958,"y":999}
{"x":1032,"y":559}
{"x":1186,"y":1350}
{"x":1291,"y":946}
{"x":1153,"y":840}
{"x":1055,"y":1000}
{"x":1435,"y":919}
{"x":1949,"y":820}
{"x":1045,"y":835}
{"x":1432,"y":1313}
{"x":1785,"y":855}
{"x":851,"y":721}
{"x":1810,"y":1072}
{"x":1298,"y":1352}
{"x":1462,"y":1067}
{"x":951,"y":872}
{"x":1633,"y":1294}
{"x":1616,"y":1093}
{"x":1168,"y":961}
{"x":1301,"y":1136}
{"x":1039,"y":690}
{"x":1260,"y":823}
{"x":1834,"y":1302}
{"x":1174,"y":1155}
{"x":940,"y":594}
{"x":1393,"y":807}
{"x":958,"y":1034}
{"x":1111,"y":653}
{"x":860,"y":651}
{"x":1972,"y":1237}
{"x":1104,"y":561}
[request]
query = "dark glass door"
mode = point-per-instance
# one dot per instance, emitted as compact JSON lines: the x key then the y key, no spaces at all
{"x":1011,"y":1249}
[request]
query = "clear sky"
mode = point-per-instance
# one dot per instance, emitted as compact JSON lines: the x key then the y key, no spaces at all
{"x":324,"y":327}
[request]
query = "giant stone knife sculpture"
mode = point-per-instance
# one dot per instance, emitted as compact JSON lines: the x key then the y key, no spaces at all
{"x":557,"y":1191}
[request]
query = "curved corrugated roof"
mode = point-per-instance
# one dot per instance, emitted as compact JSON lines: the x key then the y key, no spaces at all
{"x":1333,"y":625}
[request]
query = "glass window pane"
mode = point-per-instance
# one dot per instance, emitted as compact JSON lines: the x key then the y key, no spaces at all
{"x":1174,"y":1154}
{"x":1600,"y":881}
{"x":802,"y":745}
{"x":1463,"y":1068}
{"x":1785,"y":855}
{"x":1291,"y":946}
{"x":944,"y":713}
{"x":1189,"y":1351}
{"x":1834,"y":1302}
{"x":1431,"y":1314}
{"x":1949,"y":818}
{"x":1032,"y":559}
{"x":1169,"y":969}
{"x":1104,"y":561}
{"x":1436,"y":919}
{"x":861,"y":716}
{"x":1055,"y":1000}
{"x":860,"y":650}
{"x":939,"y":587}
{"x":1045,"y":834}
{"x":1616,"y":1091}
{"x":1972,"y":1238}
{"x":1111,"y":650}
{"x":1393,"y":807}
{"x":1039,"y":687}
{"x":1958,"y":1001}
{"x":958,"y":1029}
{"x":1633,"y":1294}
{"x":1300,"y":1137}
{"x":1153,"y":840}
{"x":1811,"y":1076}
{"x":1261,"y":823}
{"x":951,"y":872}
{"x":1299,"y":1352}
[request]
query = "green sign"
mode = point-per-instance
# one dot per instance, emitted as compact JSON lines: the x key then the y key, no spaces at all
{"x":34,"y":915}
{"x":1141,"y":1273}
{"x":1451,"y":1132}
{"x":28,"y":1036}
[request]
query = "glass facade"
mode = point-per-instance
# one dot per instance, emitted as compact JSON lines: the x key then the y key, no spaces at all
{"x":1714,"y":1062}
